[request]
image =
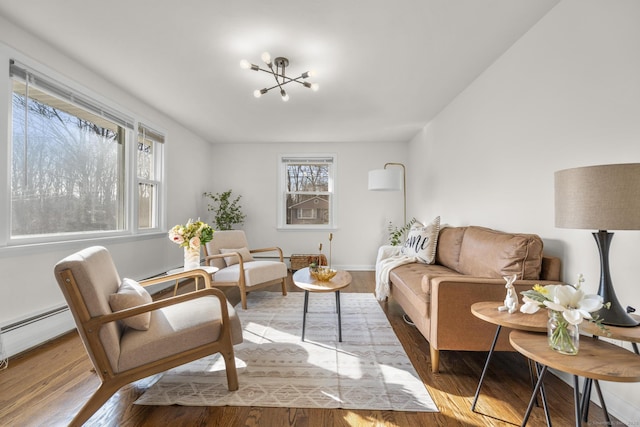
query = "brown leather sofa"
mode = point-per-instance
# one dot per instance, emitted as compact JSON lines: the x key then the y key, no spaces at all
{"x":469,"y":267}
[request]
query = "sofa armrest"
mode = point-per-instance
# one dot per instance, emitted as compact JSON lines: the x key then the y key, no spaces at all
{"x":453,"y":326}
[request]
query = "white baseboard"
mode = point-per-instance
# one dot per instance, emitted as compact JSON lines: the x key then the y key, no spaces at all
{"x":26,"y":336}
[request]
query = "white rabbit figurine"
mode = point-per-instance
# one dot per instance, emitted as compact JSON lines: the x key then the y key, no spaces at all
{"x":511,"y":300}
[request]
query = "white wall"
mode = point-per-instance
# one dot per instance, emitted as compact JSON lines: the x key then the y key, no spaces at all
{"x":251,"y":170}
{"x":27,"y":285}
{"x":567,"y":94}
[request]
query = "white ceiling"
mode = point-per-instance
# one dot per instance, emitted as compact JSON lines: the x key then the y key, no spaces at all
{"x":385,"y":68}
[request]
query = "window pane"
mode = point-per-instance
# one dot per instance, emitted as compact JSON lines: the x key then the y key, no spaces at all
{"x":146,"y":158}
{"x":67,"y":167}
{"x":308,"y":177}
{"x":146,"y":205}
{"x":307,"y":209}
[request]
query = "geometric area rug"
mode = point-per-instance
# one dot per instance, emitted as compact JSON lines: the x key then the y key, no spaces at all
{"x":369,"y":369}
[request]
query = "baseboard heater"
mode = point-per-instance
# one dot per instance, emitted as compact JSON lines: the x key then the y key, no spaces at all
{"x":30,"y":332}
{"x":33,"y":319}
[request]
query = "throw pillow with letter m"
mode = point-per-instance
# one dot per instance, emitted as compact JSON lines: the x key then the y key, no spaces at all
{"x":422,"y":240}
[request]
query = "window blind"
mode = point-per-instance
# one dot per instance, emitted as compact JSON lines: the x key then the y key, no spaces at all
{"x":34,"y":78}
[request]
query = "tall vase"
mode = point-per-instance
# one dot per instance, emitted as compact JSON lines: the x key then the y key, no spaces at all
{"x":563,"y":336}
{"x":191,"y":258}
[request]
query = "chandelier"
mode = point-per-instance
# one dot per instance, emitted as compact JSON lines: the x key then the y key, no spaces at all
{"x":277,"y":69}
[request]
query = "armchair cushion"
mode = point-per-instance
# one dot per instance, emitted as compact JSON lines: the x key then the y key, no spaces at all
{"x":231,"y":260}
{"x":176,"y":326}
{"x":255,"y":272}
{"x":131,"y":294}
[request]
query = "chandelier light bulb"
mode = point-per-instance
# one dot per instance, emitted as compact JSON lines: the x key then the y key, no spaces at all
{"x":315,"y":87}
{"x":285,"y":95}
{"x":310,"y":73}
{"x":266,"y":57}
{"x":245,"y":65}
{"x":259,"y":92}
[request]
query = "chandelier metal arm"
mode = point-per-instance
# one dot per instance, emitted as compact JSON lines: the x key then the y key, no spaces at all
{"x":277,"y":68}
{"x":284,"y":82}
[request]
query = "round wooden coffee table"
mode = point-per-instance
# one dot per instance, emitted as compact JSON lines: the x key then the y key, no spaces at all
{"x":302,"y":279}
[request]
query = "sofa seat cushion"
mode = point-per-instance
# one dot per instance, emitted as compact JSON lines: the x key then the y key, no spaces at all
{"x":407,"y":279}
{"x":434,"y":272}
{"x":494,"y":254}
{"x":176,"y":323}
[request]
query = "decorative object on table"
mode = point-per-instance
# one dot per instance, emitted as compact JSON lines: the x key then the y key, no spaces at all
{"x":396,"y":234}
{"x":568,"y":305}
{"x":390,"y":180}
{"x":321,"y":273}
{"x":227,"y":212}
{"x":604,"y":197}
{"x":511,"y":300}
{"x":279,"y":73}
{"x":191,"y":237}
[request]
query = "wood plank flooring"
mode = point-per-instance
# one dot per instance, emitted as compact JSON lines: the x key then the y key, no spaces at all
{"x":48,"y":385}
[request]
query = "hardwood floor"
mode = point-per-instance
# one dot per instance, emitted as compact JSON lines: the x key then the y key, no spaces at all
{"x":48,"y":385}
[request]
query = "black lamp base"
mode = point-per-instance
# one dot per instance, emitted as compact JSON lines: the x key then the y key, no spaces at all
{"x":616,"y":315}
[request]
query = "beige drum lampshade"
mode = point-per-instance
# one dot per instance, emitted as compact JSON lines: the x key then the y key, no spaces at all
{"x":604,"y":197}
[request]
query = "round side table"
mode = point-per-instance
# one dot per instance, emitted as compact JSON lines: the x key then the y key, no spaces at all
{"x":303,"y":279}
{"x":596,"y":360}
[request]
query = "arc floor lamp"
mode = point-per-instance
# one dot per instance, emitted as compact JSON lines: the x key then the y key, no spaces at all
{"x":604,"y":197}
{"x":390,"y":180}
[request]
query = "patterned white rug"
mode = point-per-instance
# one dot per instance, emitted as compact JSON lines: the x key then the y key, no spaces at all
{"x":369,"y":369}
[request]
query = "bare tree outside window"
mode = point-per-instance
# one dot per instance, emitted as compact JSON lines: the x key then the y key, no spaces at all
{"x":308,"y":193}
{"x":67,"y":167}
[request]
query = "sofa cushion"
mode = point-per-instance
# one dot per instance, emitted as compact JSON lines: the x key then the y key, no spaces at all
{"x":433,"y":272}
{"x":449,"y":243}
{"x":494,"y":254}
{"x":422,"y":240}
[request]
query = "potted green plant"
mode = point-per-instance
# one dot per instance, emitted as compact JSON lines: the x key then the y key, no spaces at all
{"x":396,"y":234}
{"x":227,"y":212}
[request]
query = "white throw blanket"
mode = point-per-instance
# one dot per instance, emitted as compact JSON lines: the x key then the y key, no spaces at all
{"x":389,"y":257}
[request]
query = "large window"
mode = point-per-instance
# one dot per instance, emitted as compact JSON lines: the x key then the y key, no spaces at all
{"x":307,"y":187}
{"x":69,"y":164}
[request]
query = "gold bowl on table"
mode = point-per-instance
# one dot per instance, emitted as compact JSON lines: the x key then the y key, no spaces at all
{"x":323,"y":274}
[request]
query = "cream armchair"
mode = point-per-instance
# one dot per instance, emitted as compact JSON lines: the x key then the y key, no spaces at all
{"x":228,"y":250}
{"x":128,"y":344}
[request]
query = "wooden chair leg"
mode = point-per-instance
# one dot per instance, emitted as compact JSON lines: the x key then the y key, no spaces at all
{"x":435,"y":359}
{"x":95,"y":402}
{"x":284,"y":286}
{"x":243,"y":298}
{"x":230,"y":366}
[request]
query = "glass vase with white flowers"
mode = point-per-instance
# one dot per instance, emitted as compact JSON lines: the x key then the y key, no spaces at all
{"x":568,"y":306}
{"x":191,"y":236}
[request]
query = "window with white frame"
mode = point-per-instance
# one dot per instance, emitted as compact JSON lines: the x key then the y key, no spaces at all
{"x":68,"y":167}
{"x":307,"y":191}
{"x":149,"y":173}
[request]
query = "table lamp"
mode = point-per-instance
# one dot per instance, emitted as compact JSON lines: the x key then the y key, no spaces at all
{"x":390,"y":180}
{"x":603,"y":197}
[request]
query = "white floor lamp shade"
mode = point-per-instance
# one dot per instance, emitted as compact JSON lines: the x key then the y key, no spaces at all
{"x":390,"y":180}
{"x":385,"y":180}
